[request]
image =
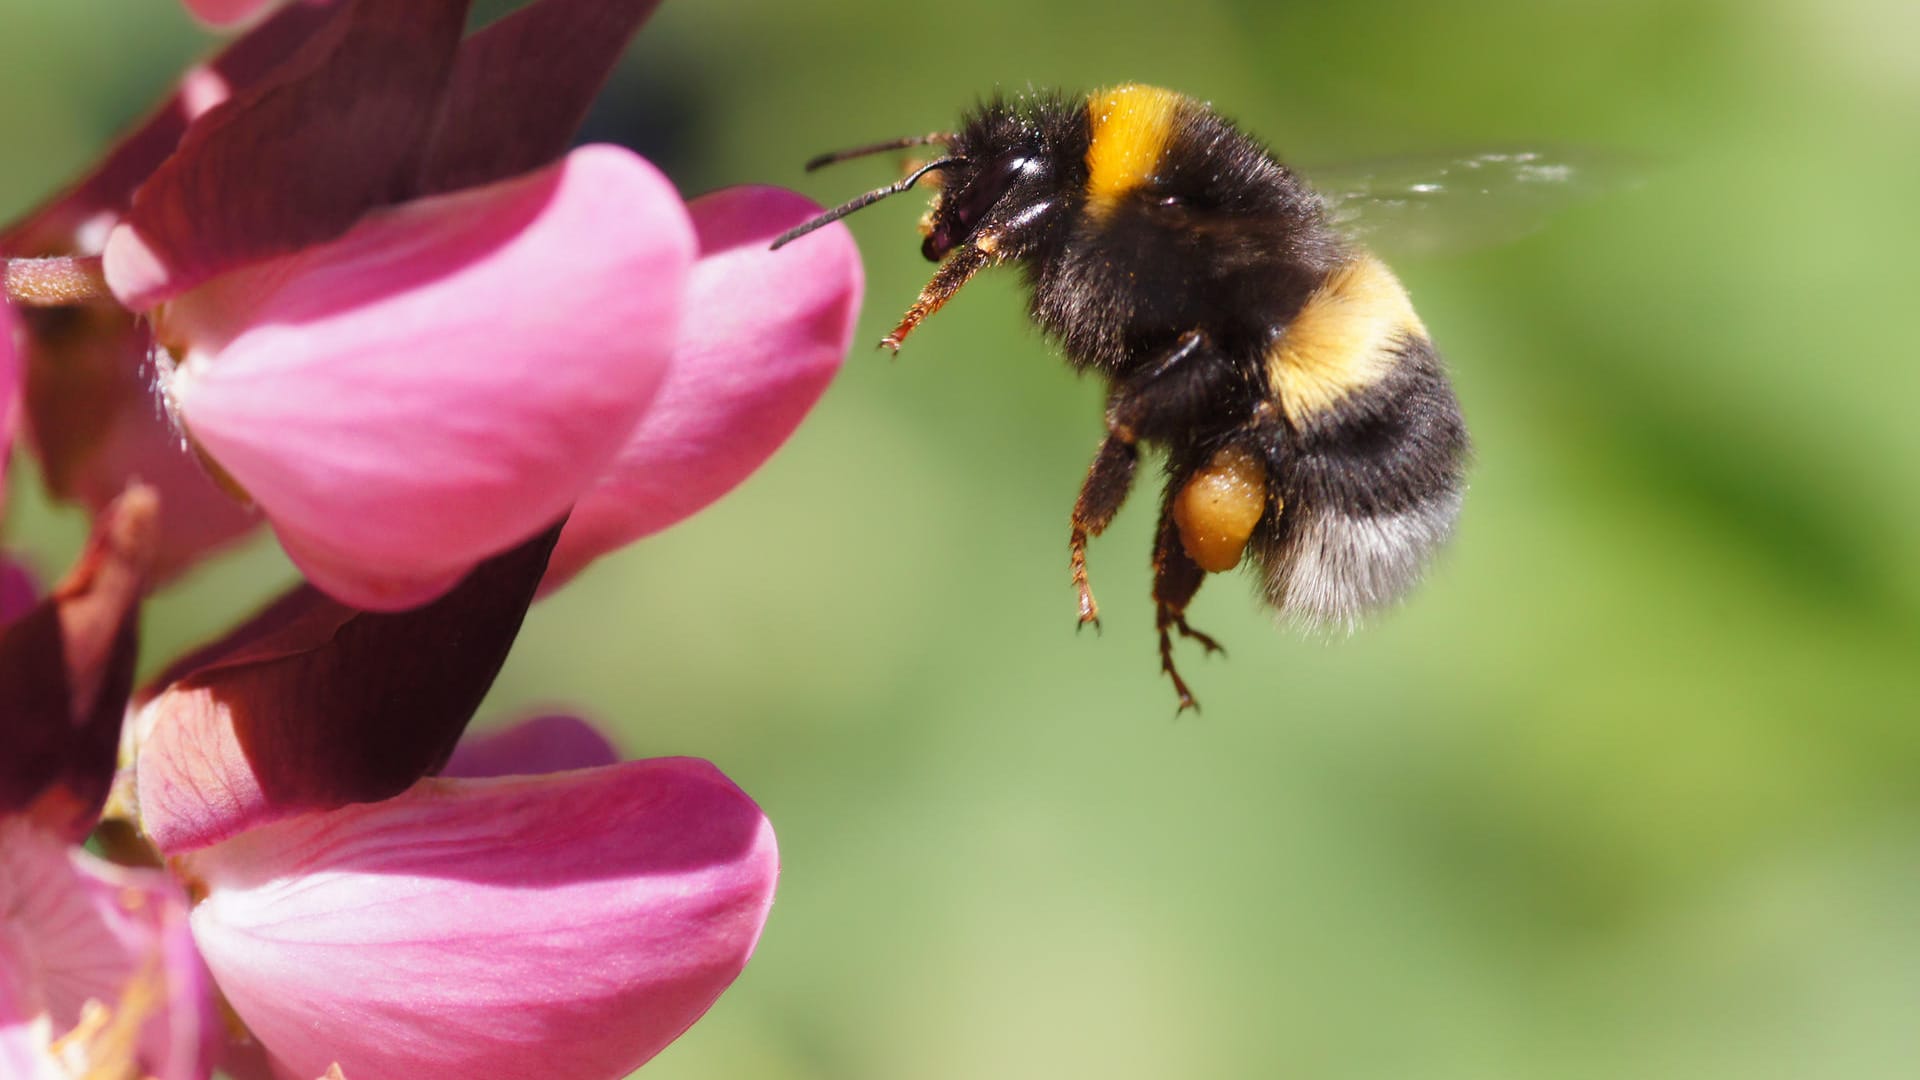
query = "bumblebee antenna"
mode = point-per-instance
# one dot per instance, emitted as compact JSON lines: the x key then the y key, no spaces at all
{"x":900,"y":143}
{"x":862,"y":202}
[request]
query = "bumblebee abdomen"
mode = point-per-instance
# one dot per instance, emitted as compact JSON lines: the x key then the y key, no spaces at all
{"x":1376,"y":455}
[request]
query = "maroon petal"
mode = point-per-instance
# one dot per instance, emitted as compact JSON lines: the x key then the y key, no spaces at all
{"x":338,"y":130}
{"x":19,"y":590}
{"x":314,"y":706}
{"x":66,"y":668}
{"x":77,"y":219}
{"x":11,"y":380}
{"x":93,"y":424}
{"x":522,"y":86}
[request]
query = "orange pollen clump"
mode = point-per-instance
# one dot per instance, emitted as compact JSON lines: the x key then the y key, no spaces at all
{"x":1219,"y":506}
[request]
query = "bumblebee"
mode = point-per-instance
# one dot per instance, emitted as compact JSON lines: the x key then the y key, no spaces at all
{"x":1302,"y":408}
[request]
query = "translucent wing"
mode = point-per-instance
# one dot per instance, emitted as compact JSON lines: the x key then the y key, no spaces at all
{"x":1448,"y":204}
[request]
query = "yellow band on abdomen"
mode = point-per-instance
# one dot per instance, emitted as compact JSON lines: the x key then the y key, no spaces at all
{"x":1344,"y":338}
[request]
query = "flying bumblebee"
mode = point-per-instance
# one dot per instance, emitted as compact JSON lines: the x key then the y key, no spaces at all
{"x":1303,"y":410}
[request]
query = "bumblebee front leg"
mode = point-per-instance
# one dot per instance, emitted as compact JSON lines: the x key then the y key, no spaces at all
{"x":1109,"y":479}
{"x":965,"y":261}
{"x":1176,"y":578}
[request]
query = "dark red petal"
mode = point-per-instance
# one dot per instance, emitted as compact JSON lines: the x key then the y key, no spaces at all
{"x":522,"y":85}
{"x":95,"y":427}
{"x":339,"y":129}
{"x":313,"y":706}
{"x":12,"y":378}
{"x":19,"y":590}
{"x":66,"y":668}
{"x":55,"y":226}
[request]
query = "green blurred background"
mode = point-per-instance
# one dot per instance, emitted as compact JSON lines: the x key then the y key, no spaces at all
{"x":1630,"y":788}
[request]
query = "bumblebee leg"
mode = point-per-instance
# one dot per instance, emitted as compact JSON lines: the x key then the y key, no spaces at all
{"x":1176,"y":578}
{"x":1190,"y":385}
{"x":963,"y":263}
{"x":1108,"y":480}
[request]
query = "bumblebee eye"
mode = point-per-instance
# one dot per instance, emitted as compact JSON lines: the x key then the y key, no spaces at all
{"x":963,"y":205}
{"x":1171,"y":200}
{"x":985,"y":191}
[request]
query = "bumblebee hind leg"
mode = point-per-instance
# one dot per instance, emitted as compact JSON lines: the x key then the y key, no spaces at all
{"x":1176,"y":578}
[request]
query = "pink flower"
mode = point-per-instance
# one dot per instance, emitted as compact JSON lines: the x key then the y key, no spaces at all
{"x":98,"y":973}
{"x":446,"y":378}
{"x":568,"y":924}
{"x":405,"y":382}
{"x":410,"y":337}
{"x":82,"y":371}
{"x":390,"y":310}
{"x":90,"y":401}
{"x":565,"y":925}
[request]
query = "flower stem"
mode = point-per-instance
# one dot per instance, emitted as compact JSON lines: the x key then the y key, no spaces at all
{"x":56,"y":282}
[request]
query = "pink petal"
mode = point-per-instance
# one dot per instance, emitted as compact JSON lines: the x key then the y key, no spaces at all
{"x":444,"y":380}
{"x":311,"y":705}
{"x":570,"y":925}
{"x":336,"y":130}
{"x":26,"y":1031}
{"x":225,"y":12}
{"x":84,"y":929}
{"x":542,"y":744}
{"x":762,"y":335}
{"x":521,"y":87}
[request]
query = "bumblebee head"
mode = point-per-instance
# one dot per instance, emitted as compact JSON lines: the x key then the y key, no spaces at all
{"x":999,"y":197}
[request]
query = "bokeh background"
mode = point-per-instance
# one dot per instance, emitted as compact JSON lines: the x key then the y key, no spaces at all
{"x":1630,"y":788}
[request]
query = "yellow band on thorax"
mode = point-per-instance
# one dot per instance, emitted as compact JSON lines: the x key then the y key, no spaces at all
{"x":1131,"y":126}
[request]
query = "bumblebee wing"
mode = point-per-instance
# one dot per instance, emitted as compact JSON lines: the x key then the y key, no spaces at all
{"x":1370,"y":463}
{"x":1451,"y":204}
